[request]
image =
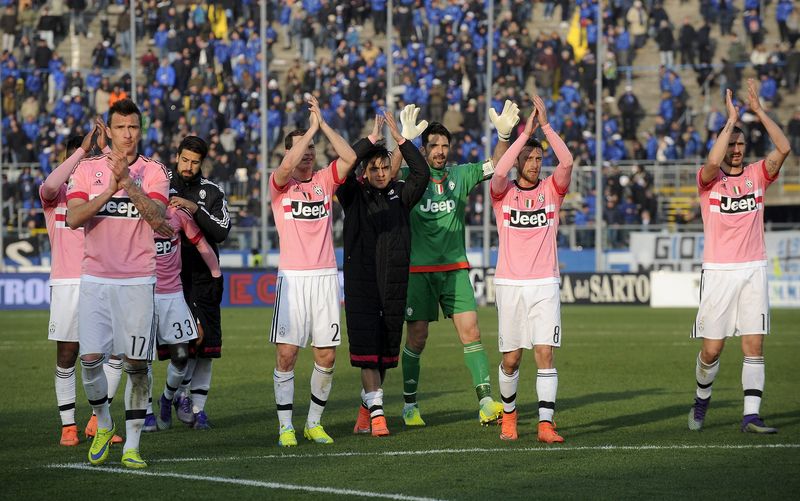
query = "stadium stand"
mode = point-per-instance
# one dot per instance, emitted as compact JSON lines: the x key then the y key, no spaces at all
{"x":199,"y":63}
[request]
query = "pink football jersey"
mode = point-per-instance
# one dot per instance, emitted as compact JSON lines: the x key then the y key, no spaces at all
{"x":302,"y":213}
{"x":66,"y":245}
{"x":527,"y":223}
{"x":733,"y":218}
{"x":118,"y":242}
{"x":168,"y":251}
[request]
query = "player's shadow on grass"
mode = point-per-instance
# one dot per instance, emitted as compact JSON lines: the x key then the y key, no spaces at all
{"x":595,"y":398}
{"x":674,"y":413}
{"x":783,"y":419}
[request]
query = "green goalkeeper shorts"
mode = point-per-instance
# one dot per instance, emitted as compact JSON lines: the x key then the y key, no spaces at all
{"x":427,"y":291}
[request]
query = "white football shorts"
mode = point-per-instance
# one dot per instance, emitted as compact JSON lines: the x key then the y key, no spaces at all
{"x":64,"y":313}
{"x":528,"y":315}
{"x":732,"y":303}
{"x":307,"y":307}
{"x":175,"y":323}
{"x":117,"y":319}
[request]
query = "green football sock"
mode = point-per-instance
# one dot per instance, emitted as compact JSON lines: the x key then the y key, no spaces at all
{"x":478,"y":365}
{"x":410,"y":375}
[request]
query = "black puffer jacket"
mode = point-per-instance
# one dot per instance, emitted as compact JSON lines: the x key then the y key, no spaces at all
{"x":377,"y":245}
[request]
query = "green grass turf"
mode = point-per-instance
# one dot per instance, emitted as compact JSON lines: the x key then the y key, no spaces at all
{"x":626,"y":381}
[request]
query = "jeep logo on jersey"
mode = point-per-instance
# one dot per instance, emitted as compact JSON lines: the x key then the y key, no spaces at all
{"x":164,"y":246}
{"x":118,"y":207}
{"x":429,"y":205}
{"x":309,"y":210}
{"x":747,"y":203}
{"x":527,"y":218}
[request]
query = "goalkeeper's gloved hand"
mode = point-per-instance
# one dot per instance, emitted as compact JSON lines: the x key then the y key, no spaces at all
{"x":408,"y":118}
{"x":506,"y":120}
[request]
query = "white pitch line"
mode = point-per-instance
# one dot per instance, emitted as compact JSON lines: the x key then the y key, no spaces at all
{"x":479,"y":450}
{"x":240,"y":481}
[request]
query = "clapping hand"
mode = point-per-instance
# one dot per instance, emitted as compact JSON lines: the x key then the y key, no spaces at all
{"x":392,"y":124}
{"x":377,"y":129}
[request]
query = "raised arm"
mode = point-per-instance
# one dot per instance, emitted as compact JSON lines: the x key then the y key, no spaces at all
{"x":61,"y":174}
{"x":411,"y":129}
{"x":347,"y":157}
{"x":563,"y":172}
{"x":283,"y":173}
{"x":710,"y":169}
{"x":504,"y":123}
{"x":419,"y":171}
{"x":776,"y":157}
{"x":509,"y":158}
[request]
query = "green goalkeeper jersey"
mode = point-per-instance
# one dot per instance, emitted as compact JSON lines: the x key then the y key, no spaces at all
{"x":437,"y":220}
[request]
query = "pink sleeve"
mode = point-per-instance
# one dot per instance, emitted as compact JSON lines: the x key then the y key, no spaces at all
{"x":762,"y":169}
{"x":207,"y":253}
{"x":563,"y":172}
{"x":700,"y":186}
{"x":78,"y":187}
{"x":335,"y":174}
{"x":499,"y":182}
{"x":189,"y":227}
{"x":156,"y":184}
{"x":274,"y":188}
{"x":49,"y":190}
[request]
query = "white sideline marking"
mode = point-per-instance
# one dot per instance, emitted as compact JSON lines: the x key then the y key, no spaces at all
{"x":239,"y":481}
{"x":481,"y":449}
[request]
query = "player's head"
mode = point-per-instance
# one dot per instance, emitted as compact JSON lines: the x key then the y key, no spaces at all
{"x":377,"y":167}
{"x":72,"y":144}
{"x":191,"y":153}
{"x":307,"y":161}
{"x":124,"y":126}
{"x":436,"y":145}
{"x":529,"y":161}
{"x":734,"y":153}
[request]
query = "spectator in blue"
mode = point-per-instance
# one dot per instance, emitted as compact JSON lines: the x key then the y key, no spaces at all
{"x":692,"y":143}
{"x":651,"y":146}
{"x":666,"y":108}
{"x":727,"y":13}
{"x":769,"y":90}
{"x":783,"y":11}
{"x":622,"y":46}
{"x":379,"y":16}
{"x":165,"y":74}
{"x":583,"y":237}
{"x":285,"y":22}
{"x":274,"y":125}
{"x":753,"y":27}
{"x":31,"y":128}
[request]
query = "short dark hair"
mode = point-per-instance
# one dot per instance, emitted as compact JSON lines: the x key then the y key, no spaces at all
{"x":124,"y":107}
{"x":435,"y":128}
{"x":377,"y":151}
{"x":195,"y":144}
{"x":72,"y":144}
{"x":534,"y":143}
{"x":288,"y":140}
{"x":736,"y":130}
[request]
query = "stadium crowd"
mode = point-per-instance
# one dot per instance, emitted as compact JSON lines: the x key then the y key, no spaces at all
{"x":202,"y":67}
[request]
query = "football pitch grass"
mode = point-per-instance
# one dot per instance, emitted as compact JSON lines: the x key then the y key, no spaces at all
{"x":626,"y":383}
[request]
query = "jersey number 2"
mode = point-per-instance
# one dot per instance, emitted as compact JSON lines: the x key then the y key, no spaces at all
{"x":335,"y":328}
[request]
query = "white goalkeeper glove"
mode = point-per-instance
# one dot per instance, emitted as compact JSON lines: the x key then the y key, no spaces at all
{"x":408,"y":118}
{"x":506,"y":120}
